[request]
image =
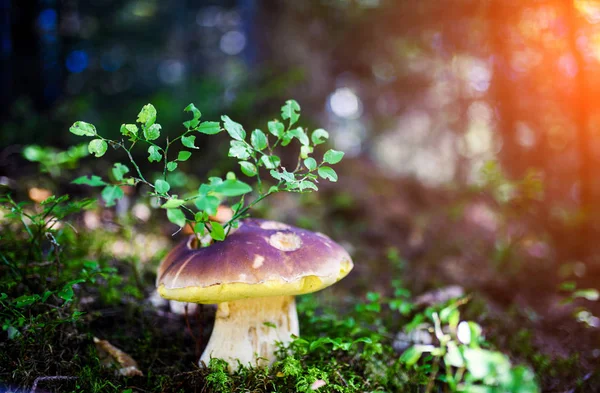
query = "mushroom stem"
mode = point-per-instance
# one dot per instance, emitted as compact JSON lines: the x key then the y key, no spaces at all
{"x":244,"y":332}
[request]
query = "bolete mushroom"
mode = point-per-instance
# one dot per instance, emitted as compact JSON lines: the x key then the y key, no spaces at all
{"x":253,"y":276}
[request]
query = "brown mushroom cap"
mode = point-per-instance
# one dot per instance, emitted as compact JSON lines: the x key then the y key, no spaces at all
{"x":261,"y":258}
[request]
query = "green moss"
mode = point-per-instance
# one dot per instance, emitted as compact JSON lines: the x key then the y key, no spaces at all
{"x":346,"y":343}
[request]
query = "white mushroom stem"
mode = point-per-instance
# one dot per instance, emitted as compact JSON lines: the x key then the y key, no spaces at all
{"x":246,"y":331}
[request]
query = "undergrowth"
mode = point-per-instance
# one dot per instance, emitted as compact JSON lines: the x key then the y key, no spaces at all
{"x":60,"y":287}
{"x":65,"y":279}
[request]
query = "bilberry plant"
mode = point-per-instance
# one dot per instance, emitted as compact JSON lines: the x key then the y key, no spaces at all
{"x":254,"y":154}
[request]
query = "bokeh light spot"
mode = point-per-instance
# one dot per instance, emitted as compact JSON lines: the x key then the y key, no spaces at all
{"x":47,"y":19}
{"x":233,"y":42}
{"x":171,"y":71}
{"x":479,"y":76}
{"x":568,"y":65}
{"x":209,"y":16}
{"x":525,"y":135}
{"x":77,"y":61}
{"x":345,"y":103}
{"x":590,"y":9}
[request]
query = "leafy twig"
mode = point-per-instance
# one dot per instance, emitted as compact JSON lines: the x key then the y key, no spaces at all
{"x":253,"y":156}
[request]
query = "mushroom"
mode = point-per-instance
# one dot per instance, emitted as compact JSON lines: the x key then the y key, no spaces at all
{"x":253,"y":276}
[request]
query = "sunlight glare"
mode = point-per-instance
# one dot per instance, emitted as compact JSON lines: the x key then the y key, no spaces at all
{"x":589,"y":9}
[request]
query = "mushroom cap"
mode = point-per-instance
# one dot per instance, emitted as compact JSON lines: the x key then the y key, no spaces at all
{"x":261,"y":258}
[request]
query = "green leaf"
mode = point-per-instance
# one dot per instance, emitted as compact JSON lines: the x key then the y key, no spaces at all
{"x":276,"y":128}
{"x":176,"y":216}
{"x":299,"y":134}
{"x":217,"y":231}
{"x":483,"y":364}
{"x":522,"y":380}
{"x":333,"y":156}
{"x":453,"y":356}
{"x":97,"y":147}
{"x":191,"y":124}
{"x":188,"y":141}
{"x":453,"y":319}
{"x":568,"y":286}
{"x":35,"y":153}
{"x":209,"y":127}
{"x":307,"y":184}
{"x":129,"y":130}
{"x":248,"y":168}
{"x":319,"y":136}
{"x":195,"y":111}
{"x":275,"y":175}
{"x":147,"y":115}
{"x":184,"y":155}
{"x":153,"y":132}
{"x":290,"y":111}
{"x":328,"y":173}
{"x":589,"y":294}
{"x":161,"y":186}
{"x":207,"y":203}
{"x":270,"y":162}
{"x":373,"y":296}
{"x":411,"y":356}
{"x":171,"y":166}
{"x":239,"y":149}
{"x":214,"y":181}
{"x":258,"y":139}
{"x":82,"y":128}
{"x":154,"y":154}
{"x":53,"y":200}
{"x":199,"y":228}
{"x":172,"y":203}
{"x":46,"y":295}
{"x":475,"y":331}
{"x":446,"y":312}
{"x":94,"y":181}
{"x":119,"y":170}
{"x":111,"y":194}
{"x":196,"y":116}
{"x":66,"y":293}
{"x":232,"y":188}
{"x":287,"y":138}
{"x":235,"y":130}
{"x":283,"y":175}
{"x":201,"y":217}
{"x":305,"y":151}
{"x":26,"y":300}
{"x":310,"y":163}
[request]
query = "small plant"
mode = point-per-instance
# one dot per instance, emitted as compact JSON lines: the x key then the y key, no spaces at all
{"x":38,"y":275}
{"x":458,"y":357}
{"x":582,"y":314}
{"x":521,"y":193}
{"x":253,"y":155}
{"x":53,"y":161}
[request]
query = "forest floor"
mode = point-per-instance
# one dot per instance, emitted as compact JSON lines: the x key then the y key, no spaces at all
{"x":416,"y":251}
